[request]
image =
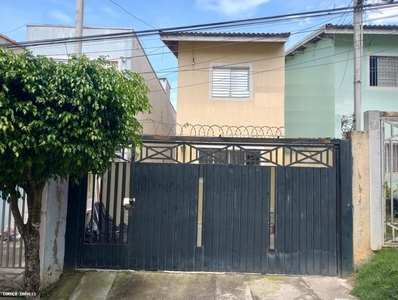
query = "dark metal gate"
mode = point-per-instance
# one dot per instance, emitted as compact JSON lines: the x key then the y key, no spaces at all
{"x":214,"y":204}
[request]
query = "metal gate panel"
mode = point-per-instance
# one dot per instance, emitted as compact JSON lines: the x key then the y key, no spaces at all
{"x":236,"y":218}
{"x":164,"y":216}
{"x":247,"y":205}
{"x":103,"y":228}
{"x":306,"y":214}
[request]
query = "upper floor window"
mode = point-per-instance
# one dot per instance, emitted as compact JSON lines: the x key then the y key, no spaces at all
{"x":383,"y":71}
{"x":230,"y":82}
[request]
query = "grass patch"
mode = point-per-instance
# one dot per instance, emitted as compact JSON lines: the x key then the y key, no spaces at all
{"x":378,"y":279}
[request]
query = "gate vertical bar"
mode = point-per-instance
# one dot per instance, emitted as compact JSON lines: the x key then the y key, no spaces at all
{"x":130,"y":209}
{"x":345,"y":217}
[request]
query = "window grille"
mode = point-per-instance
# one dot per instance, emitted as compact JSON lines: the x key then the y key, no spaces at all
{"x":383,"y":71}
{"x":229,"y":156}
{"x":391,"y":156}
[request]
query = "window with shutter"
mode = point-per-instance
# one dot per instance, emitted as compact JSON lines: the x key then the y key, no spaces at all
{"x":230,"y":82}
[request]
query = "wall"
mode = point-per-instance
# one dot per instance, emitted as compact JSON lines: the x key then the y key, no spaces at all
{"x":162,"y":111}
{"x":52,"y":230}
{"x":372,"y":98}
{"x":361,"y":196}
{"x":309,"y":100}
{"x":320,"y":89}
{"x":266,"y":105}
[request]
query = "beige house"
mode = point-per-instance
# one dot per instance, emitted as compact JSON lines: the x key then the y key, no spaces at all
{"x":233,"y":79}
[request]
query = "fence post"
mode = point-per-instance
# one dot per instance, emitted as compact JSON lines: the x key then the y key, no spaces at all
{"x":360,"y":192}
{"x":52,"y":230}
{"x":372,"y":125}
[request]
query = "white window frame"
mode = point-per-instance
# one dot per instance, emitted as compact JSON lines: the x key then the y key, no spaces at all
{"x":229,"y":93}
{"x":394,"y":70}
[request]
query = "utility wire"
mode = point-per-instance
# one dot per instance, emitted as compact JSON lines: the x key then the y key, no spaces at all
{"x":297,"y":66}
{"x":174,"y":69}
{"x":130,"y":13}
{"x":207,"y":26}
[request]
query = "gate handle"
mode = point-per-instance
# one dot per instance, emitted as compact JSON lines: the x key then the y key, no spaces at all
{"x":128,"y":202}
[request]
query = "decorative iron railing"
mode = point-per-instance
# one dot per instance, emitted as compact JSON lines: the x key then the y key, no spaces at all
{"x":245,"y":151}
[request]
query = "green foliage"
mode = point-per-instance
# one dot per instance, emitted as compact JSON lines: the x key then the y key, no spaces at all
{"x":64,"y":118}
{"x":378,"y":278}
{"x":388,"y":191}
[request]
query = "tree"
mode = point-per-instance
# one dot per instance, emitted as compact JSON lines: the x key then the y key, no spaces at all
{"x":60,"y":119}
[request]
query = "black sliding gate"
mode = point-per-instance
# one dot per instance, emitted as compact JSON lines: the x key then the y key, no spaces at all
{"x":215,"y":204}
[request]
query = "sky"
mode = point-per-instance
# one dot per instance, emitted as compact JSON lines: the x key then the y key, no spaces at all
{"x":154,"y":14}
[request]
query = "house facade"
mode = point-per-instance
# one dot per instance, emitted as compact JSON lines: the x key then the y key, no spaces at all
{"x":231,"y":79}
{"x":320,"y":79}
{"x":121,"y":47}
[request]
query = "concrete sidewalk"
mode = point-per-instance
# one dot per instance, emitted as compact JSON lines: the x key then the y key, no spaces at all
{"x":175,"y":286}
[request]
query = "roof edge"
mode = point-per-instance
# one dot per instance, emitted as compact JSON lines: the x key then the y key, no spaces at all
{"x":171,"y":39}
{"x":11,"y":43}
{"x":329,"y":29}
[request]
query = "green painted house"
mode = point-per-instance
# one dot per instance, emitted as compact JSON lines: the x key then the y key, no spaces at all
{"x":319,"y":88}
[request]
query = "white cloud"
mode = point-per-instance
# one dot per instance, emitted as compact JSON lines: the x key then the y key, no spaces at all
{"x":109,"y":12}
{"x":61,"y":17}
{"x":387,"y":16}
{"x":230,"y":7}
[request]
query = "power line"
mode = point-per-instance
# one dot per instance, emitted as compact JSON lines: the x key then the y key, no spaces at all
{"x":130,"y":13}
{"x":298,"y":66}
{"x":175,"y":69}
{"x":265,"y":22}
{"x":205,"y":26}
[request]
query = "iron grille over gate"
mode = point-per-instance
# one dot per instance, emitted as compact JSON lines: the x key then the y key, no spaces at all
{"x":264,"y":152}
{"x":224,"y":204}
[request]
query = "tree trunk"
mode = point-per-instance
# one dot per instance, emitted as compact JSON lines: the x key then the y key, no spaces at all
{"x":30,"y":233}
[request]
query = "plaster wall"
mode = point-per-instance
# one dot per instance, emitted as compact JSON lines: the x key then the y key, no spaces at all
{"x":265,"y":107}
{"x":52,"y":230}
{"x":163,"y":115}
{"x":361,"y":196}
{"x":372,"y":98}
{"x":320,"y":89}
{"x":309,"y":102}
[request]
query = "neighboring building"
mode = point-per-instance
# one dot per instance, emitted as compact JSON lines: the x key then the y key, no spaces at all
{"x":122,"y":47}
{"x":233,"y":79}
{"x":10,"y":44}
{"x":320,"y":78}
